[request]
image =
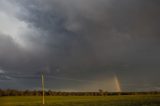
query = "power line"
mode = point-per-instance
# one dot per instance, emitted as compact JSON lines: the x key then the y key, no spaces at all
{"x":10,"y":76}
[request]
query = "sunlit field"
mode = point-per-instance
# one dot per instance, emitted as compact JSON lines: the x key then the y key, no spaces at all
{"x":131,"y":100}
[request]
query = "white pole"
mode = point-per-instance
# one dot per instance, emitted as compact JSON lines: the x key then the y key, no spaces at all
{"x":43,"y":101}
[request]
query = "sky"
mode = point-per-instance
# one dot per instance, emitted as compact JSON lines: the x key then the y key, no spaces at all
{"x":80,"y":45}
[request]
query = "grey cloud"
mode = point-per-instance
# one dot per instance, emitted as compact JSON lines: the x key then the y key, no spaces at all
{"x":88,"y":38}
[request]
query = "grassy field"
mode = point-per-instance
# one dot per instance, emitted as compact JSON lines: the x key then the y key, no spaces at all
{"x":134,"y":100}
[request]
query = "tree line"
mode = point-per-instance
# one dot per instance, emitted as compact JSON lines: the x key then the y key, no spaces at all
{"x":12,"y":92}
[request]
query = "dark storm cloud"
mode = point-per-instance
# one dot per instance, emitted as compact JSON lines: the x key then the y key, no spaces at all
{"x":86,"y":39}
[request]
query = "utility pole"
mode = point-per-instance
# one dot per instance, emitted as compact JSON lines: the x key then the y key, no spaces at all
{"x":43,"y":101}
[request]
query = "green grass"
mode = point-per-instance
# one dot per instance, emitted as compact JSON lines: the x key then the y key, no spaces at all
{"x":134,"y":100}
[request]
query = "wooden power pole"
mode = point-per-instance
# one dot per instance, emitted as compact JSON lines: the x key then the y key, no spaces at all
{"x":43,"y":100}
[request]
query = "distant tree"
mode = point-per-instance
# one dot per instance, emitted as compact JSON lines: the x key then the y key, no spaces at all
{"x":101,"y":92}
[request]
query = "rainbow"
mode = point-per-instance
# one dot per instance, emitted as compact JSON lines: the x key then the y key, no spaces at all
{"x":117,"y":84}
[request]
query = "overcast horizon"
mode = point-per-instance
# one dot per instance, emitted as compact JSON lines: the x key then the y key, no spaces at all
{"x":80,"y":45}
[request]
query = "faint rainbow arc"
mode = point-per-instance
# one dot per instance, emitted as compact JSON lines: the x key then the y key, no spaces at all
{"x":117,"y":84}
